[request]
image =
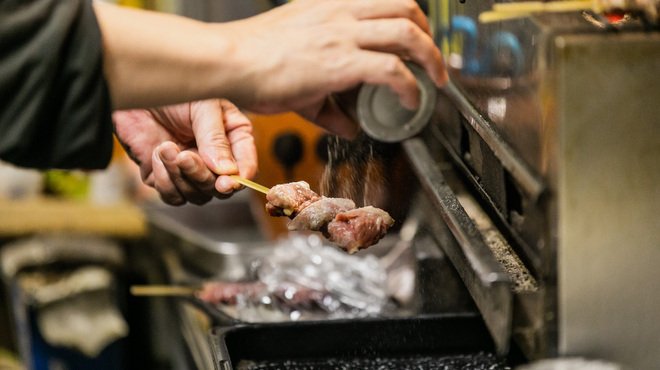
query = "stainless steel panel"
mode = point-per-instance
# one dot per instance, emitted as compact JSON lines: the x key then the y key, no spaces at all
{"x":607,"y":174}
{"x":582,"y":113}
{"x":488,"y":284}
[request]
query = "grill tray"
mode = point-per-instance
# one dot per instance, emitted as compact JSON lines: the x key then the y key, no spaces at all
{"x":454,"y":341}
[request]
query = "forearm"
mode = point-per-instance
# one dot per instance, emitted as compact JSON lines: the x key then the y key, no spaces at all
{"x":153,"y":59}
{"x":289,"y":58}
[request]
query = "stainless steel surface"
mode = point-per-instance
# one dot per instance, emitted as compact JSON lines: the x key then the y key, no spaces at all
{"x":488,"y":284}
{"x":220,"y":239}
{"x":382,"y":116}
{"x":529,"y":181}
{"x":606,"y":175}
{"x":552,"y":121}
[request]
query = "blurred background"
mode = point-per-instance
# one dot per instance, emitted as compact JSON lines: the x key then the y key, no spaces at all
{"x":526,"y":218}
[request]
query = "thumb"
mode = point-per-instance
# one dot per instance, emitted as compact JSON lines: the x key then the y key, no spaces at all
{"x":207,"y":124}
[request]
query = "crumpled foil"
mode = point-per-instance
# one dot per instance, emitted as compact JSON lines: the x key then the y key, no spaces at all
{"x":306,"y":279}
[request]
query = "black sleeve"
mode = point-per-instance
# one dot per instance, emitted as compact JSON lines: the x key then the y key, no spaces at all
{"x":55,"y":108}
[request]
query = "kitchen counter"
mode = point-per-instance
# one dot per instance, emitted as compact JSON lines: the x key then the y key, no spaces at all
{"x":23,"y":217}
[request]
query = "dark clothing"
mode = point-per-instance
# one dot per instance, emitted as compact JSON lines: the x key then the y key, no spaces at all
{"x":55,"y":108}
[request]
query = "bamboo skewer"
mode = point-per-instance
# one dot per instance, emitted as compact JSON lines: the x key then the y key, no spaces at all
{"x":503,"y":11}
{"x":251,"y":184}
{"x":163,"y":290}
{"x":541,"y":6}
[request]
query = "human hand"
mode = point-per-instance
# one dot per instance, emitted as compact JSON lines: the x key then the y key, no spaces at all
{"x":185,"y":151}
{"x":300,"y":55}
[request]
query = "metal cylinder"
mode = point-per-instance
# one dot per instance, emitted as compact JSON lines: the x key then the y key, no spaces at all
{"x":382,"y":116}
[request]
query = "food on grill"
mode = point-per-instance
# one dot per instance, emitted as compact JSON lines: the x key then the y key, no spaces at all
{"x":350,"y":228}
{"x":227,"y":293}
{"x":319,"y":213}
{"x":359,"y":228}
{"x":289,"y":199}
{"x":286,"y":296}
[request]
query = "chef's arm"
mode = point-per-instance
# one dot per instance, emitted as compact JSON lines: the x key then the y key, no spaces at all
{"x":289,"y":58}
{"x":154,"y":59}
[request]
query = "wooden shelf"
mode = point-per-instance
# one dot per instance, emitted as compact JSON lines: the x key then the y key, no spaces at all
{"x":24,"y":217}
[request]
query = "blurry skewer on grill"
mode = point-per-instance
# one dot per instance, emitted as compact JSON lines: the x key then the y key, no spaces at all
{"x":164,"y":290}
{"x":504,"y":11}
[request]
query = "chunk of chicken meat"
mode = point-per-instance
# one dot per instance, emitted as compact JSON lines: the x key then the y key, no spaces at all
{"x":289,"y":199}
{"x":359,"y":228}
{"x":350,"y":228}
{"x":316,"y":215}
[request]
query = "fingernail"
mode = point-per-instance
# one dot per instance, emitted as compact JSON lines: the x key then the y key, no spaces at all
{"x":226,"y":166}
{"x":187,"y":164}
{"x":226,"y":184}
{"x":168,"y":153}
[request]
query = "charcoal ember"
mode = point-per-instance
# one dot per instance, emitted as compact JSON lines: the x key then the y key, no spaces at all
{"x":359,"y":228}
{"x":289,"y":199}
{"x":316,"y":215}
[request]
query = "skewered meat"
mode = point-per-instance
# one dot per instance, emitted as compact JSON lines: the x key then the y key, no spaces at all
{"x":289,"y":199}
{"x":337,"y":218}
{"x":288,"y":296}
{"x":227,"y":293}
{"x":359,"y":228}
{"x":319,"y":213}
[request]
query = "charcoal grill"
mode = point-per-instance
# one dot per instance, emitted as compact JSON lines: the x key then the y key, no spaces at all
{"x":456,"y":340}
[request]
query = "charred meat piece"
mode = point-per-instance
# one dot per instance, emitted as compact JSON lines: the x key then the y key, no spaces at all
{"x":289,"y":199}
{"x":316,"y":215}
{"x":359,"y":228}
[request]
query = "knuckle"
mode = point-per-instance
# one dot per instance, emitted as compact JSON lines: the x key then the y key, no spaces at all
{"x":207,"y":180}
{"x":216,"y":139}
{"x":410,"y":7}
{"x":407,"y":29}
{"x":392,"y":65}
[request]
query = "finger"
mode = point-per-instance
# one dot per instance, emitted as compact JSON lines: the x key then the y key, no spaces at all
{"x":238,"y":130}
{"x":194,"y":169}
{"x":162,"y":183}
{"x":332,"y":118}
{"x":404,"y":38}
{"x":388,"y":69}
{"x":239,"y":133}
{"x":374,"y":9}
{"x":208,"y":128}
{"x":129,"y":124}
{"x":168,"y":153}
